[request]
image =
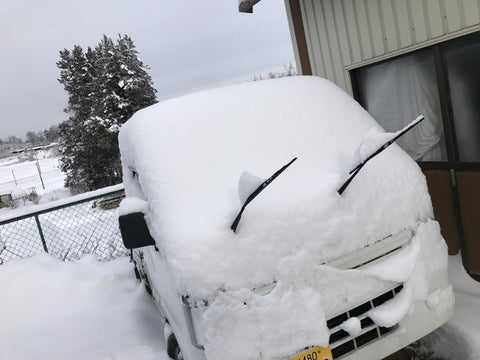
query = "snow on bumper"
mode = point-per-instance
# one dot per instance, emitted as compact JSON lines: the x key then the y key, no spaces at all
{"x":297,"y":312}
{"x":422,"y":319}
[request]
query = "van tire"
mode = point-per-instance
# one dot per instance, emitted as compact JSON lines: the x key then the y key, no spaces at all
{"x":173,"y":349}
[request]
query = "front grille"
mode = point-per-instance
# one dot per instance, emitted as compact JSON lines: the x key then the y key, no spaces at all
{"x":342,"y":343}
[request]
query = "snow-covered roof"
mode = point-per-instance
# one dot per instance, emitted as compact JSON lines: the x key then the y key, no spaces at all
{"x":189,"y":153}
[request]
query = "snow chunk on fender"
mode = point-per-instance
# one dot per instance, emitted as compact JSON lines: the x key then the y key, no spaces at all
{"x":399,"y":267}
{"x":411,"y":267}
{"x":392,"y":311}
{"x":131,"y":205}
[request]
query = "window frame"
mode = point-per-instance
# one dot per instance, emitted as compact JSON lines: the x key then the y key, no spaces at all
{"x":446,"y":110}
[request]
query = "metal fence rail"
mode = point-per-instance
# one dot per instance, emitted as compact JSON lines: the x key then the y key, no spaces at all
{"x":66,"y":231}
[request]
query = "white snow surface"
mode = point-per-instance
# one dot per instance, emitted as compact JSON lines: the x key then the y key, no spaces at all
{"x":305,"y":296}
{"x":353,"y":326}
{"x":31,"y":209}
{"x":132,"y":205}
{"x":25,"y":174}
{"x":459,"y":338}
{"x":97,"y":310}
{"x":247,"y":184}
{"x":18,"y":192}
{"x":189,"y":153}
{"x":80,"y":310}
{"x":18,"y":178}
{"x":376,"y":138}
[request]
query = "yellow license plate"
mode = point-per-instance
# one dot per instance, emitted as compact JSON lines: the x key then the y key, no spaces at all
{"x":318,"y":353}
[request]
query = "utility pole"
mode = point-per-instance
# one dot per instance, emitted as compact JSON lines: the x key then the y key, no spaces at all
{"x":39,"y":170}
{"x":14,"y":178}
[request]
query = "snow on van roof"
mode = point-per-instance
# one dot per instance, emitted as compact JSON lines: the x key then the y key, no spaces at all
{"x":192,"y":161}
{"x":185,"y":156}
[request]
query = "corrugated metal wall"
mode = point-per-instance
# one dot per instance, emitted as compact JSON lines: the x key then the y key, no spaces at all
{"x":345,"y":34}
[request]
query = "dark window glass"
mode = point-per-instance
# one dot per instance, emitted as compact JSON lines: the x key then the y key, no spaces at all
{"x":396,"y":92}
{"x":462,"y":63}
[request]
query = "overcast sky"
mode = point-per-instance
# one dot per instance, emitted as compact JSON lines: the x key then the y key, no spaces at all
{"x":188,"y":45}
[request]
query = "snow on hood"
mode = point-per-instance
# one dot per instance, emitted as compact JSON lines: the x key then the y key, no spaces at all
{"x":189,"y":153}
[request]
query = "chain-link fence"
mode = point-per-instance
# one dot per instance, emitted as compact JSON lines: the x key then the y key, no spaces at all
{"x":67,"y":231}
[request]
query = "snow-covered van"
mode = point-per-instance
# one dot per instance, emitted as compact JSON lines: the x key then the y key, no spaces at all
{"x":256,"y":242}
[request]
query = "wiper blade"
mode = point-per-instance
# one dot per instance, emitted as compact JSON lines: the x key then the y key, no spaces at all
{"x":257,"y":191}
{"x":355,"y":171}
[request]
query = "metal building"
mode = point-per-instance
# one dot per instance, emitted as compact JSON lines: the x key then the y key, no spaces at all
{"x":400,"y":58}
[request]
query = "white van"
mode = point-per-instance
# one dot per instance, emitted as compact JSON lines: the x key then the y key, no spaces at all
{"x":319,"y":265}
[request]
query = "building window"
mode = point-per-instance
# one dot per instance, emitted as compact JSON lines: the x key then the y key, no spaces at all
{"x":396,"y":92}
{"x":461,"y":59}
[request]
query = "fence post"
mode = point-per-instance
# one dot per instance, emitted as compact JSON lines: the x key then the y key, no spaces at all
{"x":40,"y":231}
{"x":14,"y":178}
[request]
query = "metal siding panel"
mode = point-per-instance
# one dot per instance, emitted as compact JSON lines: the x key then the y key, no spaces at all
{"x":348,"y":82}
{"x":419,"y":20}
{"x":364,"y":32}
{"x":352,"y":29}
{"x":311,"y":34}
{"x":434,"y":18}
{"x":404,"y":27}
{"x":472,"y":16}
{"x":342,"y":35}
{"x":453,"y":16}
{"x":376,"y":31}
{"x":390,"y":31}
{"x":334,"y":43}
{"x":329,"y":72}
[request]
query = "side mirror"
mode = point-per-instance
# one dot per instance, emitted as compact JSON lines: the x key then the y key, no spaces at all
{"x":134,"y":231}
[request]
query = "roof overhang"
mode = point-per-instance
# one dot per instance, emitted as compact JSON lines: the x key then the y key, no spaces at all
{"x":246,"y":6}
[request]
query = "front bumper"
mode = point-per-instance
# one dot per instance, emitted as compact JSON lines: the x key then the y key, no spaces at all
{"x":424,"y":317}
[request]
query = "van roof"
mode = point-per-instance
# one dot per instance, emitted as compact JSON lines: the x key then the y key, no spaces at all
{"x":189,"y":153}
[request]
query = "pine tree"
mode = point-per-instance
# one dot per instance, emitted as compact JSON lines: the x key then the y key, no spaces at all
{"x":106,"y":86}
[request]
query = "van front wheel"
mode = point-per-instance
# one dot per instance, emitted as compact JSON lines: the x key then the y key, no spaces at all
{"x":173,"y":349}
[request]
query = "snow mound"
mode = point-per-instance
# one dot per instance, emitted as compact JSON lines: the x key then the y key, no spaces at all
{"x":81,"y":310}
{"x":185,"y":156}
{"x":189,"y":153}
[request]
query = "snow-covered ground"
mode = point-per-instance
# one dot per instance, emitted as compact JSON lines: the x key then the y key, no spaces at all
{"x":17,"y":175}
{"x":82,"y":310}
{"x":459,"y":338}
{"x":91,"y":310}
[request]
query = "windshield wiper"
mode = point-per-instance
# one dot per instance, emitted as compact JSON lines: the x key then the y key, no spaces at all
{"x":257,"y":191}
{"x":355,"y":171}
